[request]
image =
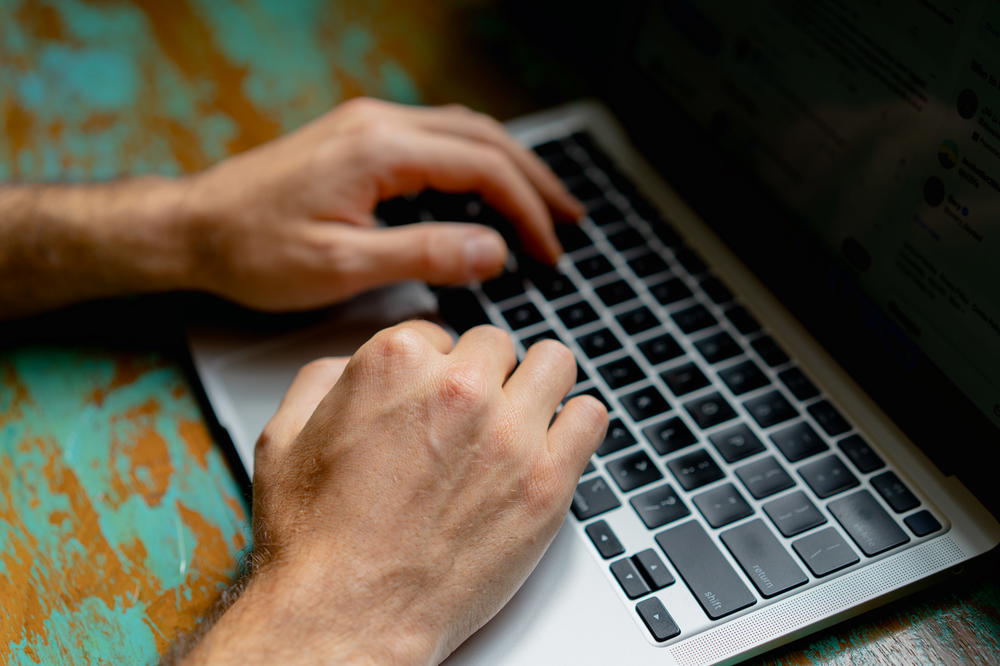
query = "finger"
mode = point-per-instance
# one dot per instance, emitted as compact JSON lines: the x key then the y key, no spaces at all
{"x":543,"y":379}
{"x":488,"y":346}
{"x":439,"y":338}
{"x":313,"y":381}
{"x":577,"y":431}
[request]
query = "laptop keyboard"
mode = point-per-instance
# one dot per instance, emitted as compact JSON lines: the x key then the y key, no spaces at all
{"x":748,"y":481}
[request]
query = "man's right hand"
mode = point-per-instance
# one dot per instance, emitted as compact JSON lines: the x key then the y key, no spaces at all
{"x":397,"y":512}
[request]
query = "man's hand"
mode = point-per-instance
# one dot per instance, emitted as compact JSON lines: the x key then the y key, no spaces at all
{"x":396,"y":513}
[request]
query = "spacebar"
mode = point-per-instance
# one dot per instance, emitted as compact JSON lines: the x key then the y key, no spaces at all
{"x":713,"y":582}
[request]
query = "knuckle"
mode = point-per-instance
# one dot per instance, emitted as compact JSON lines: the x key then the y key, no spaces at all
{"x":464,"y":387}
{"x":558,"y":352}
{"x":492,"y":334}
{"x":544,"y":488}
{"x":360,"y":106}
{"x":591,"y":412}
{"x":398,"y":343}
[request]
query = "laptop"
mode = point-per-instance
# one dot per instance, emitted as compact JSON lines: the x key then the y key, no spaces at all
{"x":750,"y":490}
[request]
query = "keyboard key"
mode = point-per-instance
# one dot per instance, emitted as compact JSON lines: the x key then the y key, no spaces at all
{"x":657,"y":619}
{"x":638,"y":320}
{"x":669,"y":436}
{"x":606,"y":213}
{"x":633,"y":470}
{"x":825,"y":552}
{"x":593,"y":497}
{"x":628,"y":576}
{"x":659,"y":506}
{"x":461,"y":309}
{"x":895,"y":494}
{"x":684,"y":379}
{"x":695,"y":470}
{"x":666,"y":233}
{"x":867,"y":523}
{"x":716,"y":290}
{"x":922,"y":523}
{"x":718,"y":347}
{"x":704,"y":570}
{"x":736,"y":443}
{"x":564,"y":166}
{"x":828,"y":476}
{"x":555,"y":147}
{"x":503,"y":287}
{"x":598,"y":343}
{"x":763,"y":559}
{"x":645,"y":403}
{"x":604,"y":539}
{"x":743,"y":377}
{"x":594,"y":265}
{"x":621,"y":372}
{"x":722,"y":505}
{"x":572,"y":237}
{"x":647,"y":264}
{"x":653,"y":569}
{"x":592,"y":391}
{"x":799,"y":385}
{"x":798,"y":441}
{"x":617,"y":438}
{"x":860,"y":454}
{"x":551,"y":283}
{"x":582,"y":187}
{"x":521,"y":316}
{"x":670,"y":291}
{"x":793,"y":513}
{"x":710,"y":410}
{"x":690,"y":260}
{"x":741,"y":318}
{"x":828,"y":418}
{"x":626,"y":239}
{"x":693,"y":319}
{"x":577,"y":314}
{"x":764,"y":477}
{"x":770,"y":408}
{"x":615,"y":292}
{"x":660,"y":349}
{"x":769,"y":351}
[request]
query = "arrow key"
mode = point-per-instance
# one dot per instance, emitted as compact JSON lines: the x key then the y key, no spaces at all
{"x":607,"y":543}
{"x":653,"y":569}
{"x":629,"y":578}
{"x":657,"y":619}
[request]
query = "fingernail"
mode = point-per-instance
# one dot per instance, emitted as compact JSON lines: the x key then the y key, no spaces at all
{"x":484,"y":253}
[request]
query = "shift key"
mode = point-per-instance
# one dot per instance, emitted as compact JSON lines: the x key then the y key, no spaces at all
{"x":704,"y":570}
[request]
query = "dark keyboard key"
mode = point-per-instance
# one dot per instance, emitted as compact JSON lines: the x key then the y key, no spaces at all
{"x":645,"y":403}
{"x":763,"y":559}
{"x":684,"y":379}
{"x":770,"y":408}
{"x":615,"y":292}
{"x":577,"y":314}
{"x":922,"y":523}
{"x":628,"y":576}
{"x":659,"y":506}
{"x":793,"y":513}
{"x":736,"y":443}
{"x":690,"y":260}
{"x":537,"y":337}
{"x":828,"y":418}
{"x":660,"y":349}
{"x":523,"y":315}
{"x":828,"y":476}
{"x":581,"y":374}
{"x":582,"y":187}
{"x":709,"y":410}
{"x":798,"y":441}
{"x":657,"y":619}
{"x":572,"y":237}
{"x":551,"y":282}
{"x":666,"y":233}
{"x":592,"y":391}
{"x":693,"y":318}
{"x":594,"y":265}
{"x":626,"y":239}
{"x":564,"y":167}
{"x":638,"y":320}
{"x":633,"y":470}
{"x":598,"y":343}
{"x":604,"y":539}
{"x":860,"y":454}
{"x":398,"y":211}
{"x":718,"y":292}
{"x":769,"y":350}
{"x":798,"y":383}
{"x":867,"y":523}
{"x":669,"y":436}
{"x":606,"y":213}
{"x":764,"y":477}
{"x":461,"y":309}
{"x":593,"y":497}
{"x":618,"y":437}
{"x":621,"y":372}
{"x":653,"y":569}
{"x":501,"y":288}
{"x":670,"y":291}
{"x":895,"y":494}
{"x":825,"y":552}
{"x":704,"y":570}
{"x":722,"y":505}
{"x":547,"y":150}
{"x":741,"y":318}
{"x":647,"y":264}
{"x":718,"y":347}
{"x":743,"y":377}
{"x":695,"y":470}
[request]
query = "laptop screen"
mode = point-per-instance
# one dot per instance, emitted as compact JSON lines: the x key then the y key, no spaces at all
{"x":877,"y":125}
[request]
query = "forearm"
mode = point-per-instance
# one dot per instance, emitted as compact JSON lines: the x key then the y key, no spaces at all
{"x":61,"y":244}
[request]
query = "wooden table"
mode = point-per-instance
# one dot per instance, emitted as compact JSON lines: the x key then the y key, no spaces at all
{"x":119,"y":519}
